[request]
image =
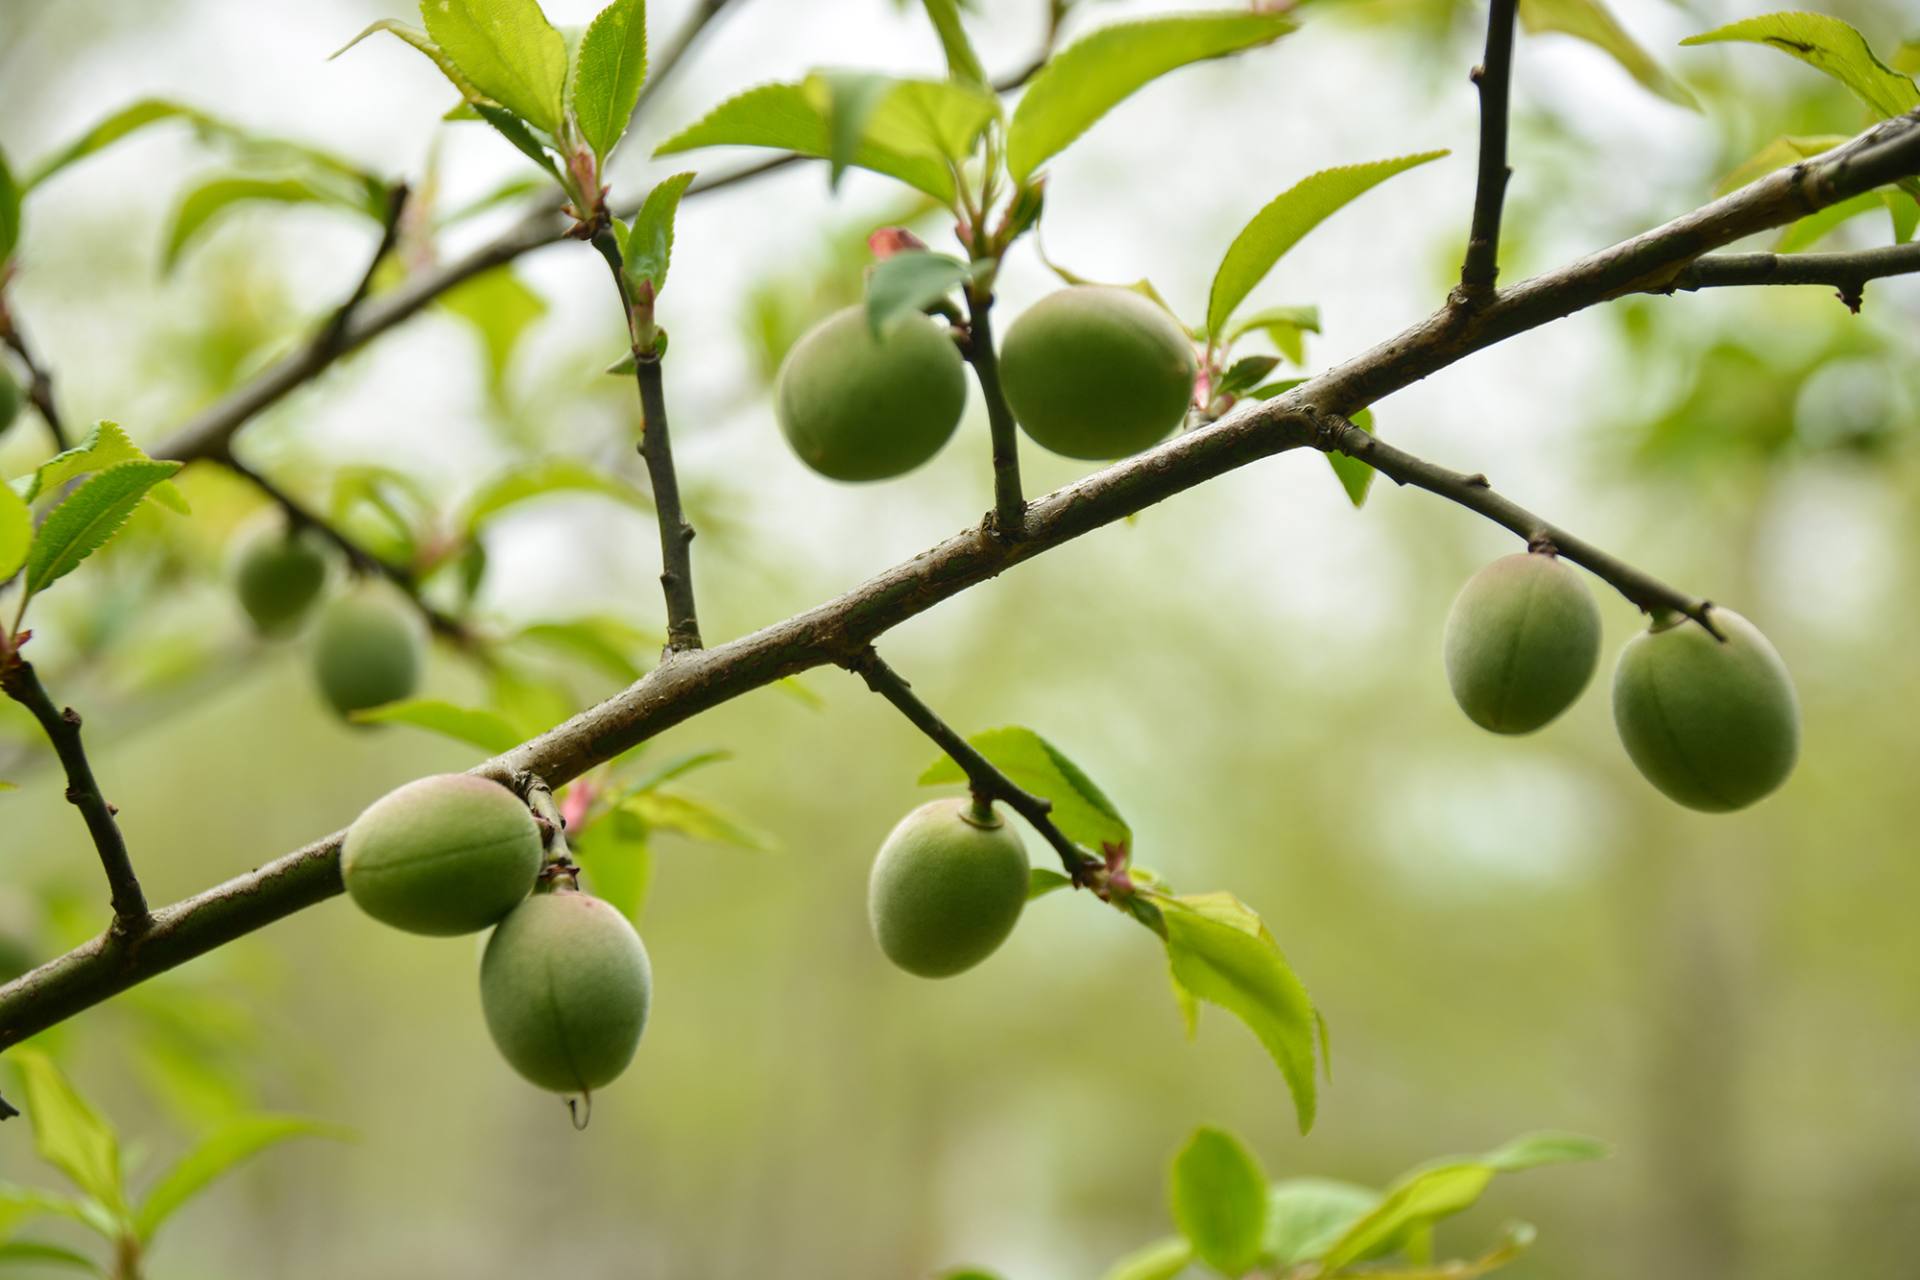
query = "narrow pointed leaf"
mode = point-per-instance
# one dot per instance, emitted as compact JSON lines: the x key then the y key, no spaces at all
{"x":69,"y":1134}
{"x":106,"y":444}
{"x":40,"y":1254}
{"x":1088,"y":79}
{"x":240,"y":1140}
{"x":16,"y":531}
{"x":909,"y":282}
{"x":10,"y":196}
{"x":1287,"y":218}
{"x":538,"y":479}
{"x":648,"y":250}
{"x":1161,"y":1260}
{"x":1829,"y":45}
{"x":420,"y":40}
{"x":1080,"y":809}
{"x":609,"y":72}
{"x":1593,"y":22}
{"x":88,"y":517}
{"x":963,"y":64}
{"x":209,"y":200}
{"x":475,"y":726}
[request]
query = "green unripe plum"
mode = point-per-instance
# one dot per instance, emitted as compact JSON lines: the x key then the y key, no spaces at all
{"x":367,"y":652}
{"x":278,"y":575}
{"x":565,"y":986}
{"x":1522,"y":642}
{"x":947,"y":888}
{"x":1714,"y":725}
{"x":858,"y":409}
{"x":1096,"y":372}
{"x":442,"y":855}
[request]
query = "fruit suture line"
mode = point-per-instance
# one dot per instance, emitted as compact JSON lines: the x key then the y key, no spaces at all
{"x":837,"y":632}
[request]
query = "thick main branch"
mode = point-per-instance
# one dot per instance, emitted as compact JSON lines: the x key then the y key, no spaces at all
{"x":836,"y":632}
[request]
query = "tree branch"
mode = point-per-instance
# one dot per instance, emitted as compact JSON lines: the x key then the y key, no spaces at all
{"x":834,"y":633}
{"x":1846,"y":272}
{"x":62,"y":727}
{"x":1494,"y":79}
{"x":1009,"y":504}
{"x":656,"y":448}
{"x":1337,"y":435}
{"x":39,"y":381}
{"x":986,"y":781}
{"x":704,"y":12}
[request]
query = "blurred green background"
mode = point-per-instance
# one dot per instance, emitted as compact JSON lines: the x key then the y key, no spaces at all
{"x":1504,"y":935}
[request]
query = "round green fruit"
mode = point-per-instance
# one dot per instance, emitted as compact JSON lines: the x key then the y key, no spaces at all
{"x":947,"y":888}
{"x":278,"y":575}
{"x":855,"y":408}
{"x":442,"y":855}
{"x":565,"y":986}
{"x":1096,"y":372}
{"x":1522,"y":641}
{"x":1715,"y":725}
{"x":367,"y":652}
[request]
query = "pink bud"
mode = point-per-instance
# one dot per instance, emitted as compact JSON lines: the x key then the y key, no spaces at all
{"x":888,"y":241}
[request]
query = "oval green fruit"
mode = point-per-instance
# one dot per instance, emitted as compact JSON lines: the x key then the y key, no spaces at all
{"x":1096,"y":372}
{"x":1522,"y":641}
{"x":946,"y":888}
{"x":442,"y":855}
{"x":278,"y":575}
{"x":367,"y":652}
{"x":1715,"y":725}
{"x":565,"y":986}
{"x":858,"y":409}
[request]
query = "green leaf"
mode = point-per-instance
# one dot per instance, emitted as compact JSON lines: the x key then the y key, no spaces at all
{"x":128,"y":119}
{"x":1285,"y":220}
{"x":1590,"y":20}
{"x":1810,"y":230}
{"x":16,"y":531}
{"x":1425,"y":1196}
{"x":1220,"y":952}
{"x":10,"y":194}
{"x":614,"y":853}
{"x":239,"y":1140}
{"x":490,"y":731}
{"x":8,"y":786}
{"x":1088,"y":79}
{"x":1283,"y":327}
{"x":208,"y":200}
{"x":1305,"y":1216}
{"x":1829,"y":45}
{"x":537,"y":479}
{"x":501,"y":307}
{"x":107,"y":444}
{"x":1080,"y":809}
{"x":963,"y":64}
{"x":1355,"y":476}
{"x":21,"y":1204}
{"x":515,"y":130}
{"x":508,"y":51}
{"x":609,"y":72}
{"x":38,"y":1253}
{"x":1042,"y":881}
{"x":89,"y":516}
{"x":849,"y":102}
{"x":1905,"y":211}
{"x":648,"y":250}
{"x":788,"y":118}
{"x":1219,"y":1199}
{"x":67,"y":1133}
{"x":911,"y":281}
{"x":424,"y":43}
{"x":1161,"y":1260}
{"x":932,"y":118}
{"x":1244,"y":374}
{"x":693,"y":819}
{"x":611,"y":644}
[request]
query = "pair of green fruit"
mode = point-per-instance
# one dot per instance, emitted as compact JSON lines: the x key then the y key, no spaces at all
{"x":1090,"y":372}
{"x":1714,"y":724}
{"x":367,"y":649}
{"x":565,"y":983}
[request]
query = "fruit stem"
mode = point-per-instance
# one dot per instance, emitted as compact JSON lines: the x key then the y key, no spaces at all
{"x":1009,"y":504}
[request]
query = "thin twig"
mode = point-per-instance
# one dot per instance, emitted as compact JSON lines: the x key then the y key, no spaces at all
{"x":1494,"y":79}
{"x":833,"y":632}
{"x":62,"y":727}
{"x":332,"y":338}
{"x":1009,"y":503}
{"x":1337,"y":435}
{"x":986,"y":781}
{"x":39,"y":381}
{"x":1846,"y":272}
{"x":363,"y":561}
{"x":656,"y":448}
